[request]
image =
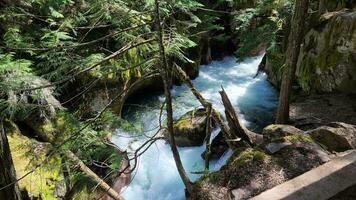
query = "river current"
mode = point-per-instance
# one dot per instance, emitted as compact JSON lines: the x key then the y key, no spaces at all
{"x":156,"y":176}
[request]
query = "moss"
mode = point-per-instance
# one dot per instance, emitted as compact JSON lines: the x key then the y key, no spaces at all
{"x":294,"y":138}
{"x":27,"y":153}
{"x":185,"y":122}
{"x":306,"y":69}
{"x":242,"y":157}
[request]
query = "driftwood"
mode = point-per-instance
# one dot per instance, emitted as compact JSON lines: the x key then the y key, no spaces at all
{"x":231,"y":139}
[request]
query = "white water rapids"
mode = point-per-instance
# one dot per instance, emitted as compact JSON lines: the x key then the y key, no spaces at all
{"x":156,"y":176}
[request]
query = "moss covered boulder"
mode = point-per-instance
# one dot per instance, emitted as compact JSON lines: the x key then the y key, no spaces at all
{"x":336,"y":136}
{"x":189,"y":129}
{"x":47,"y":181}
{"x":274,"y":131}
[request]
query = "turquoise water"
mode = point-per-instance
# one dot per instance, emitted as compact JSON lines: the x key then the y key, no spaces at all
{"x":156,"y":176}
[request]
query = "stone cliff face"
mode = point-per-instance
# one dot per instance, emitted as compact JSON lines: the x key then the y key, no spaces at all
{"x":327,"y":61}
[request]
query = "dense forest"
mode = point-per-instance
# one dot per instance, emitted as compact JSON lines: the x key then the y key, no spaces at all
{"x":177,"y":99}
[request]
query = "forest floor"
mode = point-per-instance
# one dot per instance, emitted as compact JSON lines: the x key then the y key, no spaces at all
{"x":311,"y":111}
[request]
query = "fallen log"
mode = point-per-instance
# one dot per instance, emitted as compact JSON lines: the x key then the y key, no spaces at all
{"x":94,"y":177}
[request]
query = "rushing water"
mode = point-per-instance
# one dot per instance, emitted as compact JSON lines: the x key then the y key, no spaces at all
{"x":156,"y":177}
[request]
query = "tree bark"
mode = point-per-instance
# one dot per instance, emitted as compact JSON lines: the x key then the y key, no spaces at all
{"x":294,"y":42}
{"x":8,"y":183}
{"x":167,"y":81}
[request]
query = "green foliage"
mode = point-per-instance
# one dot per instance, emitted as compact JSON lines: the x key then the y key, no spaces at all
{"x":260,"y":24}
{"x":16,"y":74}
{"x":46,"y":41}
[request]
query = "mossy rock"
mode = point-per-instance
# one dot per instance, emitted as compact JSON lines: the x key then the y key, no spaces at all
{"x":190,"y":129}
{"x":250,"y":171}
{"x":244,"y":155}
{"x":274,"y":132}
{"x":326,"y":62}
{"x":46,"y":182}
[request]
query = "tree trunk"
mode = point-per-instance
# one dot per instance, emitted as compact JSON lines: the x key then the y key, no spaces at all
{"x":165,"y":73}
{"x":8,"y":184}
{"x":294,"y":43}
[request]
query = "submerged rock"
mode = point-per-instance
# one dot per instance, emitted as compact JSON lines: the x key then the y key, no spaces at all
{"x":336,"y":136}
{"x":189,"y":129}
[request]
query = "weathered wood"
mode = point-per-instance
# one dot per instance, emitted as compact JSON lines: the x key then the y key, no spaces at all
{"x":215,"y":114}
{"x":236,"y":128}
{"x":93,"y":176}
{"x":8,"y":183}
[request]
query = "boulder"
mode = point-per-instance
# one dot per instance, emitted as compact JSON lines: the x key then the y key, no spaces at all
{"x":276,"y":131}
{"x":218,"y":147}
{"x":335,"y":136}
{"x":189,"y":129}
{"x":327,"y":59}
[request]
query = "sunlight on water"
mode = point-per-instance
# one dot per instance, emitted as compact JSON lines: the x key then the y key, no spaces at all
{"x":156,"y":176}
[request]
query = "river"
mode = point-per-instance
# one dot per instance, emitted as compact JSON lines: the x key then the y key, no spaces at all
{"x":156,"y":177}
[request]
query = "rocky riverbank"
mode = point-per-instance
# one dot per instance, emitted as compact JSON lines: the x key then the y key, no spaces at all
{"x":285,"y":153}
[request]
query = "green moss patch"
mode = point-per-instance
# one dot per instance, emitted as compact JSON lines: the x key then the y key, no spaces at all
{"x":26,"y":154}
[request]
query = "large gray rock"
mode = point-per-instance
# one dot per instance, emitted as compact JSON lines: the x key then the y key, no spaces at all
{"x":189,"y":129}
{"x":327,"y":60}
{"x":336,"y":136}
